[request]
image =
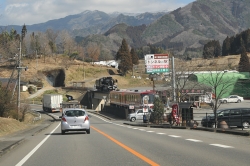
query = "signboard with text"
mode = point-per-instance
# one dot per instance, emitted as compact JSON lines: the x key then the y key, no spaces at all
{"x":156,"y":63}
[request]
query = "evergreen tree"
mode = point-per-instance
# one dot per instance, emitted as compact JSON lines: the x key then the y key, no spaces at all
{"x":226,"y":47}
{"x":24,"y":32}
{"x":155,"y":49}
{"x":124,"y":56}
{"x":135,"y":58}
{"x":157,"y":115}
{"x":211,"y":49}
{"x":244,"y":65}
{"x":217,"y":48}
{"x":245,"y":35}
{"x":35,"y":45}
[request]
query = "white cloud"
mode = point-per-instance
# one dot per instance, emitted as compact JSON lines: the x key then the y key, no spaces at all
{"x":38,"y":11}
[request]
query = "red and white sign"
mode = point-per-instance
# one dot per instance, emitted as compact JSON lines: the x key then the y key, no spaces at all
{"x":175,"y":113}
{"x":157,"y":63}
{"x":145,"y":109}
{"x":157,"y":66}
{"x":131,"y":107}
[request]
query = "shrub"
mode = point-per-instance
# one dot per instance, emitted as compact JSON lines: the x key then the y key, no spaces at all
{"x":32,"y":89}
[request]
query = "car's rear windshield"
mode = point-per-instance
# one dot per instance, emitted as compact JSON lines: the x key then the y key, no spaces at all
{"x":71,"y":113}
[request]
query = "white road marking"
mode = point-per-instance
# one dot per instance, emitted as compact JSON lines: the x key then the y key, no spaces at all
{"x":142,"y":129}
{"x":135,"y":128}
{"x":36,"y":148}
{"x":175,"y":136}
{"x":194,"y":140}
{"x":222,"y":146}
{"x":161,"y":133}
{"x":150,"y":131}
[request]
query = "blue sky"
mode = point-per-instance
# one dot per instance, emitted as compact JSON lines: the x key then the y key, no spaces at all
{"x":19,"y":12}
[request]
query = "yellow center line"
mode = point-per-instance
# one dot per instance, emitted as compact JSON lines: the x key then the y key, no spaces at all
{"x":127,"y":148}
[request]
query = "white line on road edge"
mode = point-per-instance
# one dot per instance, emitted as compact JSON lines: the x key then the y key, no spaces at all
{"x":222,"y":146}
{"x":36,"y":148}
{"x":194,"y":140}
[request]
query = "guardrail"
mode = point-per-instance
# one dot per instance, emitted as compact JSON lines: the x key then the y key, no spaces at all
{"x":36,"y":114}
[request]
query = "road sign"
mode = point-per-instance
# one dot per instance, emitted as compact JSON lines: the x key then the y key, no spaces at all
{"x":156,"y":63}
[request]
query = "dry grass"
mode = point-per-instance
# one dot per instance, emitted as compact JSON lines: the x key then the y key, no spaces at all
{"x":9,"y":125}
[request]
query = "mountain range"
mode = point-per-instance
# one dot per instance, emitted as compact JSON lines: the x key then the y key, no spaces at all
{"x":183,"y":31}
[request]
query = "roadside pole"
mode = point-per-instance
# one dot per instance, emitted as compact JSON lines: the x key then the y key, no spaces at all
{"x":173,"y":80}
{"x":19,"y":68}
{"x":19,"y":73}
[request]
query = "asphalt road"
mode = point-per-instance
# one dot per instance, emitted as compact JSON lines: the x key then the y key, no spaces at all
{"x":112,"y":143}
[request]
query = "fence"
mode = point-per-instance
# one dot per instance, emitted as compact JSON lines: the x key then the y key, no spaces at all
{"x":240,"y":120}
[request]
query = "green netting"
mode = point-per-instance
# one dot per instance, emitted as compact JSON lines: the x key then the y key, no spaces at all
{"x":231,"y":83}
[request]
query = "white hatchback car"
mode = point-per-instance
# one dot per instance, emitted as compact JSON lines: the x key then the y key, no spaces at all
{"x":74,"y":119}
{"x":232,"y":99}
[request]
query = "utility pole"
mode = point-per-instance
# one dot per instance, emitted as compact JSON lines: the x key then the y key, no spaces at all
{"x":36,"y":60}
{"x":173,"y":79}
{"x":18,"y":77}
{"x":133,"y":70}
{"x":19,"y":68}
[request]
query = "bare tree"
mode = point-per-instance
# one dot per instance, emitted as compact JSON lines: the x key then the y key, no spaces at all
{"x":44,"y":42}
{"x":183,"y":82}
{"x":221,"y":83}
{"x":9,"y":43}
{"x":81,"y":52}
{"x":68,"y":43}
{"x":52,"y":35}
{"x":93,"y":51}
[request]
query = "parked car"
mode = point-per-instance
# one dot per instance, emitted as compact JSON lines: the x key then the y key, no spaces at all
{"x":138,"y":115}
{"x":239,"y":117}
{"x":74,"y":119}
{"x":232,"y":99}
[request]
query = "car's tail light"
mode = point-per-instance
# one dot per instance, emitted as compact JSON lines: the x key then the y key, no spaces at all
{"x":63,"y":119}
{"x":86,"y":118}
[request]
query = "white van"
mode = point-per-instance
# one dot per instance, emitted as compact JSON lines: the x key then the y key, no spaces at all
{"x":138,"y":115}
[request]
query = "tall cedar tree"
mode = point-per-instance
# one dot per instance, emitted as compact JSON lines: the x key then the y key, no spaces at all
{"x":211,"y":49}
{"x":232,"y":45}
{"x":244,"y":65}
{"x":135,"y":58}
{"x":24,"y":32}
{"x":124,"y":56}
{"x":226,"y":47}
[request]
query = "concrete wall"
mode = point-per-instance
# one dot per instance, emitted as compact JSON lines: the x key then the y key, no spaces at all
{"x":120,"y":112}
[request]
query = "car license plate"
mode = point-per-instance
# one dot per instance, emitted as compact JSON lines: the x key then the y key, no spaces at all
{"x":75,"y":126}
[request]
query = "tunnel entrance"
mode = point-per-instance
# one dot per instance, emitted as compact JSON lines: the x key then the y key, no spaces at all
{"x":55,"y":77}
